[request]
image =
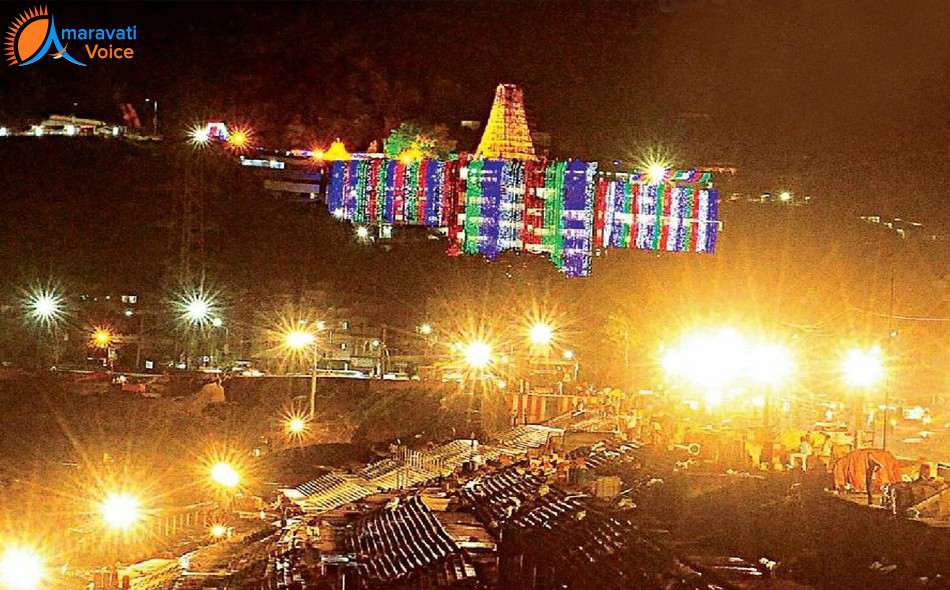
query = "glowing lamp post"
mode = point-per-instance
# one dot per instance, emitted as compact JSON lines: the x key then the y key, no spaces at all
{"x":770,"y":365}
{"x":656,"y":173}
{"x":102,"y":339}
{"x":541,"y":335}
{"x":45,"y":307}
{"x":477,"y":355}
{"x":862,"y":369}
{"x":296,"y":426}
{"x":225,"y":475}
{"x":300,"y":340}
{"x":120,"y":511}
{"x":21,"y":568}
{"x":197,"y":310}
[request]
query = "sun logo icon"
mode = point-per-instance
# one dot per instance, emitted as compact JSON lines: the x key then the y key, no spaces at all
{"x":31,"y":36}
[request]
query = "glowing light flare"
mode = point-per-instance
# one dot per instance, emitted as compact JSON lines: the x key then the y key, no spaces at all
{"x":44,"y":306}
{"x":770,"y":364}
{"x":199,"y":135}
{"x":21,"y":568}
{"x":225,"y":475}
{"x":425,"y":329}
{"x":362,"y":233}
{"x":318,"y":154}
{"x":197,"y":308}
{"x":862,"y":368}
{"x":296,"y":424}
{"x":477,"y":354}
{"x":656,"y":172}
{"x":785,"y":196}
{"x":568,"y":355}
{"x":541,"y":334}
{"x":218,"y":531}
{"x":713,"y":398}
{"x":240,"y":139}
{"x":120,"y":511}
{"x":299,"y":339}
{"x":708,"y":359}
{"x":101,"y":337}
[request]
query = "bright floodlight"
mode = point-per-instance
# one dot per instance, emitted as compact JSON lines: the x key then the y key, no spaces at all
{"x":101,"y":338}
{"x":708,"y":359}
{"x":568,"y":355}
{"x":225,"y":475}
{"x":199,"y":135}
{"x":217,"y":322}
{"x":218,"y":530}
{"x":120,"y":511}
{"x":541,"y":334}
{"x":296,"y":425}
{"x":299,"y":339}
{"x":21,"y":568}
{"x":362,"y":232}
{"x":44,"y":306}
{"x":771,"y":364}
{"x":785,"y":196}
{"x":656,"y":172}
{"x":425,"y":329}
{"x":478,"y":354}
{"x":238,"y":138}
{"x":197,"y":309}
{"x":863,"y":368}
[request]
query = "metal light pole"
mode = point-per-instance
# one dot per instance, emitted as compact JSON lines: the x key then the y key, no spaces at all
{"x":313,"y":384}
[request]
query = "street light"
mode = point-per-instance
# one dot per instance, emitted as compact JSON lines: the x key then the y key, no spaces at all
{"x":21,"y":568}
{"x":656,"y":172}
{"x":197,"y":309}
{"x":101,"y":338}
{"x":120,"y":511}
{"x":477,"y":354}
{"x":862,"y":368}
{"x":770,"y":365}
{"x":299,"y":340}
{"x":199,"y":135}
{"x":225,"y":475}
{"x":44,"y":306}
{"x":541,"y":334}
{"x":295,"y":425}
{"x":425,"y":329}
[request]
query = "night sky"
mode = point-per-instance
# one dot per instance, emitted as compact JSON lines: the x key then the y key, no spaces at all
{"x":841,"y":100}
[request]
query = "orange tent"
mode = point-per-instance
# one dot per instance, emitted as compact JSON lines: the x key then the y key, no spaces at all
{"x":851,"y":470}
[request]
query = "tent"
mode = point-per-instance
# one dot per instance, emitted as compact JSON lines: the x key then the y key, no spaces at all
{"x":851,"y":470}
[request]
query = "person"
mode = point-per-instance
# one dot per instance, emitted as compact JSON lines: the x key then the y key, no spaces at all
{"x":804,"y":452}
{"x":870,"y":470}
{"x":805,"y":449}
